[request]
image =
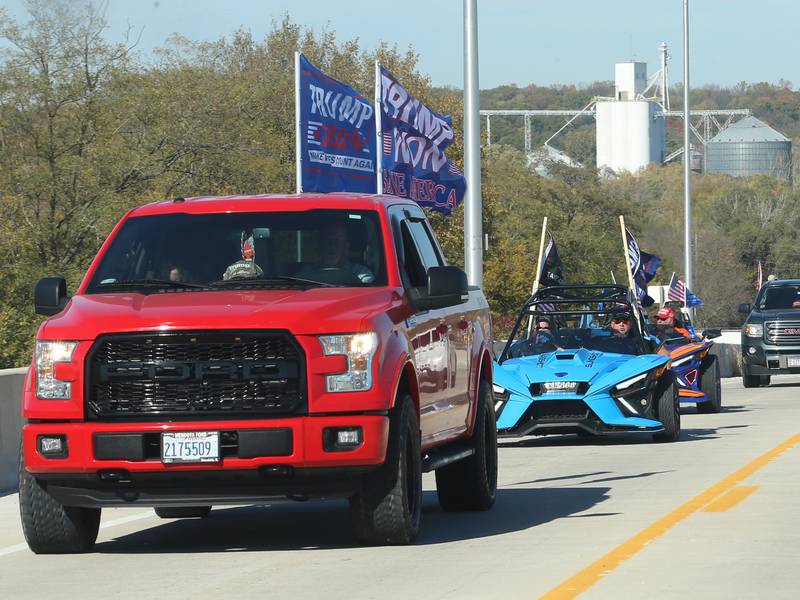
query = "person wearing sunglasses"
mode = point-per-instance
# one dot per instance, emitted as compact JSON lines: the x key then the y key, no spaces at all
{"x":620,"y":326}
{"x":667,"y":327}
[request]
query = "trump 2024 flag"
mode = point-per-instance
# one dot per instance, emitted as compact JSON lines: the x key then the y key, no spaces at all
{"x":335,"y":134}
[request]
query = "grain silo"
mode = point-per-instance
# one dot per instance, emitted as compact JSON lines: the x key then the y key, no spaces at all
{"x":750,"y":147}
{"x":630,"y":128}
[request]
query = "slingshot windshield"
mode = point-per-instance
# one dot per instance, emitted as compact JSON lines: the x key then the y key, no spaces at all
{"x":598,"y":318}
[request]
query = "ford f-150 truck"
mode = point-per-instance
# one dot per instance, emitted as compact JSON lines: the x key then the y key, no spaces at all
{"x":244,"y":349}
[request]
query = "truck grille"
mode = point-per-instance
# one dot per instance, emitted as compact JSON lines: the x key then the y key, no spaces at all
{"x":190,"y":375}
{"x":783,"y":332}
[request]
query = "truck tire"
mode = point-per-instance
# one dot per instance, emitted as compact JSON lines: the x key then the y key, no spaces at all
{"x":388,"y":508}
{"x":668,"y":410}
{"x":49,"y":526}
{"x":182,"y":512}
{"x":750,"y":381}
{"x":471,"y":483}
{"x":710,"y":386}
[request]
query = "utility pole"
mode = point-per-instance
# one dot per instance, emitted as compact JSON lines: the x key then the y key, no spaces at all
{"x":473,"y":205}
{"x":687,"y":155}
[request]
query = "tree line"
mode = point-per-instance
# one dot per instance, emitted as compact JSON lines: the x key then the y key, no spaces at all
{"x":90,"y":129}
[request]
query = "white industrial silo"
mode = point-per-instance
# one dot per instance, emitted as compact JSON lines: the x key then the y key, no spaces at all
{"x":631,"y":132}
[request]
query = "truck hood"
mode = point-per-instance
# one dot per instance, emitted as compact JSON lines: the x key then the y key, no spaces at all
{"x":784,"y":314}
{"x":600,"y":369}
{"x":314,"y":311}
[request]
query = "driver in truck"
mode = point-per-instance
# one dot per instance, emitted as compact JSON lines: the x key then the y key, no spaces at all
{"x":335,"y":250}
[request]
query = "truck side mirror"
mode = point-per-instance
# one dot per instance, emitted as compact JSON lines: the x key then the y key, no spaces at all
{"x":447,"y":286}
{"x":744,"y":309}
{"x":50,"y":296}
{"x":712,"y":333}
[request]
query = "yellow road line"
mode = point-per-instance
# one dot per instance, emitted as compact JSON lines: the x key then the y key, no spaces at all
{"x":593,"y":573}
{"x":731,"y":499}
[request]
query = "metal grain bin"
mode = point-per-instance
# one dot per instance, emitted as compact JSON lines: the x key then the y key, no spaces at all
{"x":750,"y":147}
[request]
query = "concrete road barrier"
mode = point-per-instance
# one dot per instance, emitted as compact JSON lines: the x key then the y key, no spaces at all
{"x":11,"y":381}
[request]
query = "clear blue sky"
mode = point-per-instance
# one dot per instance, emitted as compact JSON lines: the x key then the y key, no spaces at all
{"x":520,"y":41}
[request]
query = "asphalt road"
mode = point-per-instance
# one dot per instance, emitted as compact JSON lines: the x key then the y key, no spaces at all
{"x":711,"y":516}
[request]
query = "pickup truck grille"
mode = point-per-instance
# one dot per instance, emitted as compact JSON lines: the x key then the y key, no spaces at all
{"x":783,"y":332}
{"x":191,"y":375}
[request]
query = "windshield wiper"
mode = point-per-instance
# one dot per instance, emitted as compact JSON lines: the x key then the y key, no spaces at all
{"x":271,"y":280}
{"x":150,"y":283}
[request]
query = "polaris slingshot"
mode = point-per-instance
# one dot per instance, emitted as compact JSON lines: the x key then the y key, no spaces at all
{"x":696,"y":369}
{"x":565,"y":369}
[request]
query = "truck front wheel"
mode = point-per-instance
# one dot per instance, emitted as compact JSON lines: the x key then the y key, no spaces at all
{"x":471,"y":483}
{"x":388,"y":508}
{"x":49,"y":526}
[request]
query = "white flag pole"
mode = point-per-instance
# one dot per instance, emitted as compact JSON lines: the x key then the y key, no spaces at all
{"x":378,"y":132}
{"x":298,"y":171}
{"x":538,"y":270}
{"x":539,"y":258}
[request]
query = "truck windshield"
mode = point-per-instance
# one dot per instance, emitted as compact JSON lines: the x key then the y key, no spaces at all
{"x":779,"y":296}
{"x":258,"y":249}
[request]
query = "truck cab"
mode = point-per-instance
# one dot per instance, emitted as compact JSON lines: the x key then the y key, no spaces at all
{"x":225,"y":350}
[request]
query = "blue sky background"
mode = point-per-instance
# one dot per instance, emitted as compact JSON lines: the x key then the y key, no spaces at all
{"x":533,"y":41}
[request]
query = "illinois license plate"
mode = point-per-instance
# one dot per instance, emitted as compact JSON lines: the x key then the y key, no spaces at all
{"x":190,"y":446}
{"x":793,"y":361}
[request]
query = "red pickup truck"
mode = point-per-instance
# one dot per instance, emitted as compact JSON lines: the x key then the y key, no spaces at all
{"x":229,"y":350}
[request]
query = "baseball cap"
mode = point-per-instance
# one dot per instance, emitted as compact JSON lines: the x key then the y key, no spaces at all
{"x":665,"y":312}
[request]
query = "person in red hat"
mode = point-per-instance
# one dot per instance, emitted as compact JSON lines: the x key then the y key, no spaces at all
{"x":665,"y":320}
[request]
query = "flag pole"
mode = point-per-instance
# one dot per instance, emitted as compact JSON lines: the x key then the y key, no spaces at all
{"x":538,"y":270}
{"x":298,"y":167}
{"x":628,"y":268}
{"x":627,"y":256}
{"x":539,"y":258}
{"x":378,"y":132}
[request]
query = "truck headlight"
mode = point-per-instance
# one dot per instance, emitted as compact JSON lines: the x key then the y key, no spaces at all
{"x":754,"y":331}
{"x":359,"y":348}
{"x":48,"y":354}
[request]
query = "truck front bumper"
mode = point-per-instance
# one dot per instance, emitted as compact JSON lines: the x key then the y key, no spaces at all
{"x":112,"y":464}
{"x":760,"y":358}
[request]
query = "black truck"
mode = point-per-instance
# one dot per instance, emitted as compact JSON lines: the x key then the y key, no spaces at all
{"x":771,"y":333}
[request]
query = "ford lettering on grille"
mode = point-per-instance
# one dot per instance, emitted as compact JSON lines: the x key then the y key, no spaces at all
{"x":200,"y":371}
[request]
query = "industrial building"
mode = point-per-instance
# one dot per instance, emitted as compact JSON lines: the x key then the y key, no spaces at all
{"x":750,"y":147}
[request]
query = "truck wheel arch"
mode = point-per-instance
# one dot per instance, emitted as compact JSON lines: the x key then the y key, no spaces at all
{"x":406,"y":382}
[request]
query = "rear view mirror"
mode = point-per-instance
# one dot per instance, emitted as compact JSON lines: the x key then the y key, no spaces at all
{"x":744,"y":309}
{"x":50,"y":296}
{"x":712,"y":333}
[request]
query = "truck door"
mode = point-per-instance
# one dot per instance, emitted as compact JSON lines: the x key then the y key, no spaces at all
{"x":440,"y":355}
{"x":456,"y":324}
{"x":426,"y":331}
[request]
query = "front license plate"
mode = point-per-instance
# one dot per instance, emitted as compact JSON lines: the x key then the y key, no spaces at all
{"x":793,"y":361}
{"x":190,"y":446}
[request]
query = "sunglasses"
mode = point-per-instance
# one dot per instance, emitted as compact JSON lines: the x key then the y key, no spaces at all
{"x":620,"y":320}
{"x":662,"y":318}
